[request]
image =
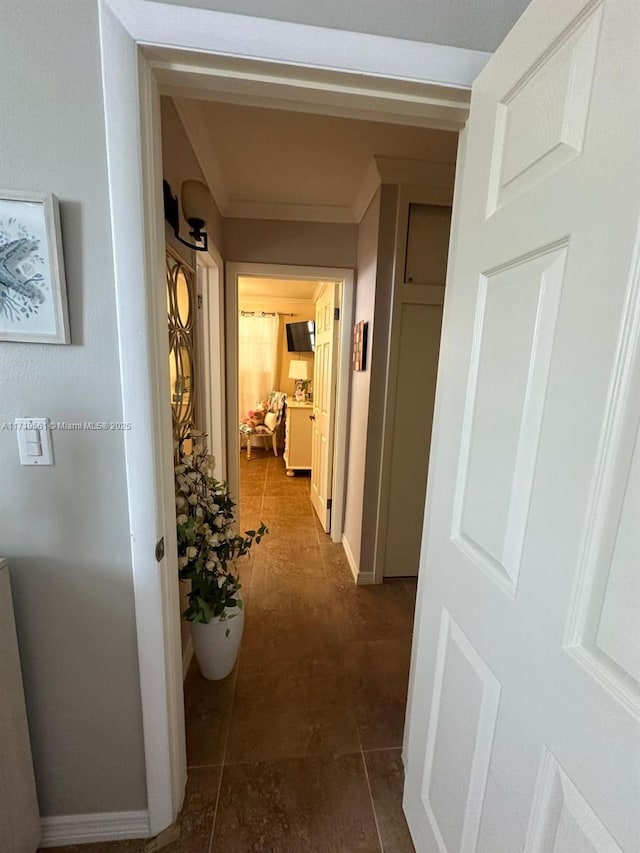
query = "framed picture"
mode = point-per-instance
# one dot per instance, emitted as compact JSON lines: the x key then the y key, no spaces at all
{"x":360,"y":331}
{"x":33,"y":294}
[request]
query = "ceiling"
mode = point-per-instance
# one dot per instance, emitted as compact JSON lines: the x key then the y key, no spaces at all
{"x":278,"y":164}
{"x":255,"y":287}
{"x":459,"y":23}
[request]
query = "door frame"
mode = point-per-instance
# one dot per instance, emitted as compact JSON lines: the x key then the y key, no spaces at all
{"x":317,"y":69}
{"x":211,"y":349}
{"x":411,"y":193}
{"x":339,"y":276}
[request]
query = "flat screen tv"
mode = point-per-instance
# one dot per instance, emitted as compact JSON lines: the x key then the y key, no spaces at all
{"x":301,"y":337}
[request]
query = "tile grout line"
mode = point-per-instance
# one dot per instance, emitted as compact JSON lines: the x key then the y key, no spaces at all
{"x":383,"y":749}
{"x":233,"y":702}
{"x":373,"y":805}
{"x":215,"y":811}
{"x":366,"y":776}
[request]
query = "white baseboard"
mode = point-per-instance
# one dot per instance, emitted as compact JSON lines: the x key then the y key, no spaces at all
{"x":187,"y":656}
{"x":60,"y":830}
{"x":365,"y":579}
{"x":353,"y":565}
{"x":361,"y":578}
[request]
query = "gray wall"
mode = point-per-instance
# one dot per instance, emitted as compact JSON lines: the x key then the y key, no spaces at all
{"x":379,"y":366}
{"x":376,"y":255}
{"x":266,"y":241}
{"x":179,"y":164}
{"x":461,"y":23}
{"x":367,"y":265}
{"x":65,"y":528}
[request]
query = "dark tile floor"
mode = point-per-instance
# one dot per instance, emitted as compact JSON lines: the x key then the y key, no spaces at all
{"x":298,"y":750}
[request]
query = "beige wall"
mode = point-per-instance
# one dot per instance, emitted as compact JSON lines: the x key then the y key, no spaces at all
{"x":65,"y":528}
{"x":265,"y":241}
{"x":179,"y":164}
{"x":367,"y":265}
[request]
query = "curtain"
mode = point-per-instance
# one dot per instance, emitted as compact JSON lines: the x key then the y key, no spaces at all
{"x":258,"y":360}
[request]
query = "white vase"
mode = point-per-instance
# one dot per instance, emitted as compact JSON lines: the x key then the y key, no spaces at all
{"x":216,"y":652}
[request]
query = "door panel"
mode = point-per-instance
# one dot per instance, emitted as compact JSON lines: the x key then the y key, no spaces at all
{"x":523,"y":725}
{"x":419,"y":342}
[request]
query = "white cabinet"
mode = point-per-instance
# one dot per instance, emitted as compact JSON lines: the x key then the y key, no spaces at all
{"x":19,"y":818}
{"x":297,"y":437}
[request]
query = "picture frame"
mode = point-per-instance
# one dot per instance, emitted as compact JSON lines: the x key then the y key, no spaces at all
{"x":360,"y":335}
{"x":33,"y":292}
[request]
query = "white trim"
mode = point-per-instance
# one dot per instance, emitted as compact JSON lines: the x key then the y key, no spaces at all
{"x":134,"y":168}
{"x":210,"y":267}
{"x":298,"y":44}
{"x":132,"y":132}
{"x":187,"y":657}
{"x":60,"y":830}
{"x":343,"y":407}
{"x":353,"y":564}
{"x":342,"y":276}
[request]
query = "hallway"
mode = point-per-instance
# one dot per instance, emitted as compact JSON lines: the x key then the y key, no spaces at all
{"x":298,"y":750}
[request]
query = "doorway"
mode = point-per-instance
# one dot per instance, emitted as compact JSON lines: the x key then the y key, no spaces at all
{"x":246,"y":281}
{"x":132,"y":131}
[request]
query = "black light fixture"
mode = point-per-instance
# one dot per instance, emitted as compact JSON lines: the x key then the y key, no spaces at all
{"x":196,"y":204}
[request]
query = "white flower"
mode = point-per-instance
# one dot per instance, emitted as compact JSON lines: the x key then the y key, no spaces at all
{"x":182,"y":562}
{"x":185,"y":488}
{"x":193,"y":499}
{"x":210,"y":564}
{"x":179,"y":469}
{"x":192,"y":552}
{"x":180,"y":502}
{"x":182,"y":518}
{"x":219,"y":522}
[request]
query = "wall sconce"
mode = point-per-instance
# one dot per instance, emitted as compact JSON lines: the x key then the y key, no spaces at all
{"x":196,"y":205}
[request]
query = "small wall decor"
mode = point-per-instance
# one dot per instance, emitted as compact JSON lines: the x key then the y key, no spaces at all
{"x":33,"y":296}
{"x":360,"y":332}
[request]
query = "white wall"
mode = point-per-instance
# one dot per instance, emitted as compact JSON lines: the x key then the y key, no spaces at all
{"x":65,"y":529}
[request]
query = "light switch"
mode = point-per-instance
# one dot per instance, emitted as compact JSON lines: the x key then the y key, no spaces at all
{"x":34,"y":445}
{"x":34,"y":441}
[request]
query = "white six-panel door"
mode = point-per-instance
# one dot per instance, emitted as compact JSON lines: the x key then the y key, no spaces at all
{"x":324,"y":381}
{"x":523,"y":729}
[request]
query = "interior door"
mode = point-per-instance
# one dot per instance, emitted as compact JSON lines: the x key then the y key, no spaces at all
{"x":324,"y":382}
{"x":523,"y":728}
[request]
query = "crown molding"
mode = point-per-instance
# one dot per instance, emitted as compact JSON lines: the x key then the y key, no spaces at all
{"x":194,"y":125}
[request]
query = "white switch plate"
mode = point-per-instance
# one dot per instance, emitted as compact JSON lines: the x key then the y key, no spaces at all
{"x":34,"y":441}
